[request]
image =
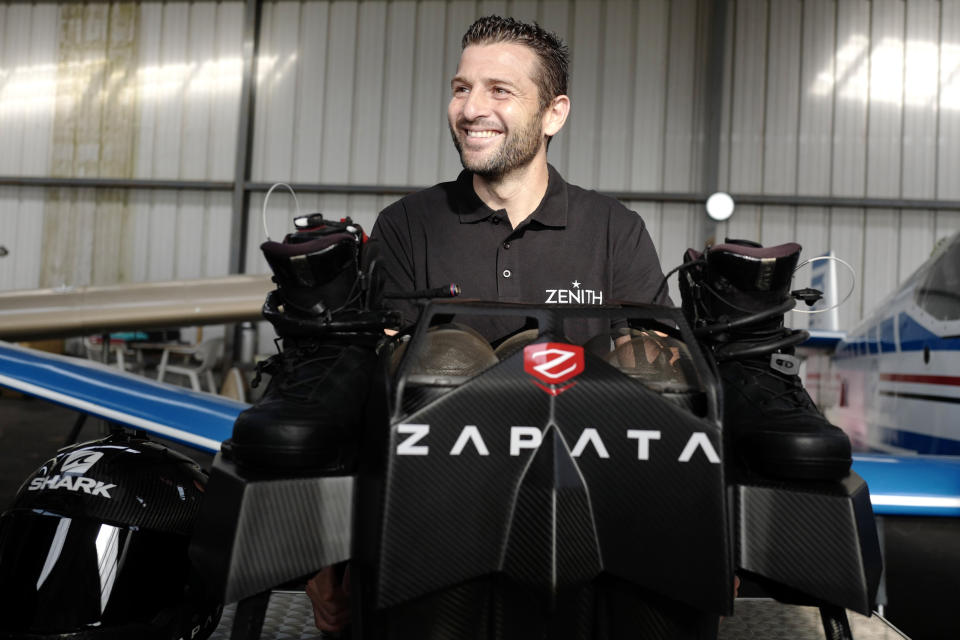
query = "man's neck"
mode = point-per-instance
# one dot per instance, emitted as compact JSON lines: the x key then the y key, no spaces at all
{"x":519,"y":192}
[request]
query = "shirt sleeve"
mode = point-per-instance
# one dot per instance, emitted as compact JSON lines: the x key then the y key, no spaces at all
{"x":389,"y":250}
{"x":637,"y":275}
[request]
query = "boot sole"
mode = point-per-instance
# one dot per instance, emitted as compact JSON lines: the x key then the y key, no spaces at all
{"x":279,"y":459}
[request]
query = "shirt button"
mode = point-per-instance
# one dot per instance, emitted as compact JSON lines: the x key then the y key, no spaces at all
{"x":495,"y":220}
{"x":507,"y":273}
{"x":506,"y":245}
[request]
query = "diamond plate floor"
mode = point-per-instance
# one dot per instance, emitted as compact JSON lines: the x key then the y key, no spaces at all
{"x":290,"y":617}
{"x":770,"y":620}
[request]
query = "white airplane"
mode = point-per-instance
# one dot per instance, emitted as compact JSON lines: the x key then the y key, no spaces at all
{"x":893,"y":382}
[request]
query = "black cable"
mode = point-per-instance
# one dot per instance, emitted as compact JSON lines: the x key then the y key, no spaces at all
{"x":685,"y":265}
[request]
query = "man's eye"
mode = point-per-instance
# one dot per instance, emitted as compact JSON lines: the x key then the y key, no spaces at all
{"x":460,"y":90}
{"x":500,"y":91}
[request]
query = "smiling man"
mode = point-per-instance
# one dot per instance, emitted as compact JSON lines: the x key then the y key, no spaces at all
{"x":504,"y":105}
{"x":509,"y":228}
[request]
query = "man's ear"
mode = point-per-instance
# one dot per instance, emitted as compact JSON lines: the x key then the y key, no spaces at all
{"x":555,"y":115}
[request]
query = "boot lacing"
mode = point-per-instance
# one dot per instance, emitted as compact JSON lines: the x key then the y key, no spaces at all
{"x":285,"y":365}
{"x":793,"y":389}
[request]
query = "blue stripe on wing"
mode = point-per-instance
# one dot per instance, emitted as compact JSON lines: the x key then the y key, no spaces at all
{"x":196,"y":419}
{"x":911,"y":485}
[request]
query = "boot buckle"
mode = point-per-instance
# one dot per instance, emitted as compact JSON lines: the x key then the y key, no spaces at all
{"x":785,"y":363}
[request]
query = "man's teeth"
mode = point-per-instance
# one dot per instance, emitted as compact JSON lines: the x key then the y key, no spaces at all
{"x":481,"y":134}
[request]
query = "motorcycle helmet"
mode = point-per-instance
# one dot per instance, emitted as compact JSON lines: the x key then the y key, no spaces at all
{"x":95,"y":547}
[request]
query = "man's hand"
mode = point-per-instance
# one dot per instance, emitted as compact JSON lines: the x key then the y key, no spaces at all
{"x":736,"y":590}
{"x":330,"y":598}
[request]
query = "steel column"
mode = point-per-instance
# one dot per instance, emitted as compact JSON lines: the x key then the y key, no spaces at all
{"x":241,"y":196}
{"x":713,"y":108}
{"x":248,"y":96}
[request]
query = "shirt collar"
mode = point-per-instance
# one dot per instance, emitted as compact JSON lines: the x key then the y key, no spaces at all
{"x":551,"y":212}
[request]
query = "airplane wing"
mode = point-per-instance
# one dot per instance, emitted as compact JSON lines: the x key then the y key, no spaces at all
{"x":199,"y":420}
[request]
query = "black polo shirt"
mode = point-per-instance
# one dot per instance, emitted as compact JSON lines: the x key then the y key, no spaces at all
{"x":577,"y":247}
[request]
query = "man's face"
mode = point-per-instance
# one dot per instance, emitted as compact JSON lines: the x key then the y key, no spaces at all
{"x":495,"y":115}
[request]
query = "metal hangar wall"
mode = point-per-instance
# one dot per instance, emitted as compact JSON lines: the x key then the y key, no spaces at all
{"x":139,"y":138}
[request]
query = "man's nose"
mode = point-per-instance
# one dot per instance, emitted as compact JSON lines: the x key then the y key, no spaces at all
{"x":476,"y":105}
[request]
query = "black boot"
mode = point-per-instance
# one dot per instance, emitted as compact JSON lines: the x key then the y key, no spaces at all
{"x":310,"y":417}
{"x":735,"y":296}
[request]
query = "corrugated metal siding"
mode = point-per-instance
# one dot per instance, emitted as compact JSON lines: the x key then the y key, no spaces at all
{"x":820,"y":97}
{"x":21,"y":233}
{"x":82,"y":83}
{"x":29,"y":37}
{"x":845,"y":98}
{"x":365,"y":91}
{"x":28,"y":67}
{"x":120,"y":90}
{"x":188,"y":87}
{"x":679,"y":226}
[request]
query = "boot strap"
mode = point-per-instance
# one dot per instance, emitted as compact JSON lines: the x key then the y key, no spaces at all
{"x":785,"y":363}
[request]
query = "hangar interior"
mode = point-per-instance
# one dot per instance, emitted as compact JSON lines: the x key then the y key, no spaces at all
{"x":139,"y":138}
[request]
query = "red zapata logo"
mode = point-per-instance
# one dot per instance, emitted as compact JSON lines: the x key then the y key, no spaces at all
{"x":553,"y":363}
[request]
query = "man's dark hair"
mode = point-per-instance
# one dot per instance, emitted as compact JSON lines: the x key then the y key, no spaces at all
{"x":552,"y":53}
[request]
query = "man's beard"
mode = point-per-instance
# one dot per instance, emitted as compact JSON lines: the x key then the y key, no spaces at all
{"x":517,"y":150}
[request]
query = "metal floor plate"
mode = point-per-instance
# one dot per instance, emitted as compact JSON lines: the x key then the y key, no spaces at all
{"x":771,"y":620}
{"x":290,"y":617}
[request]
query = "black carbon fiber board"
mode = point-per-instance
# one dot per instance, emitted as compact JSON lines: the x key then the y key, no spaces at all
{"x":658,"y":519}
{"x":290,"y":617}
{"x":818,"y":539}
{"x":254,"y":534}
